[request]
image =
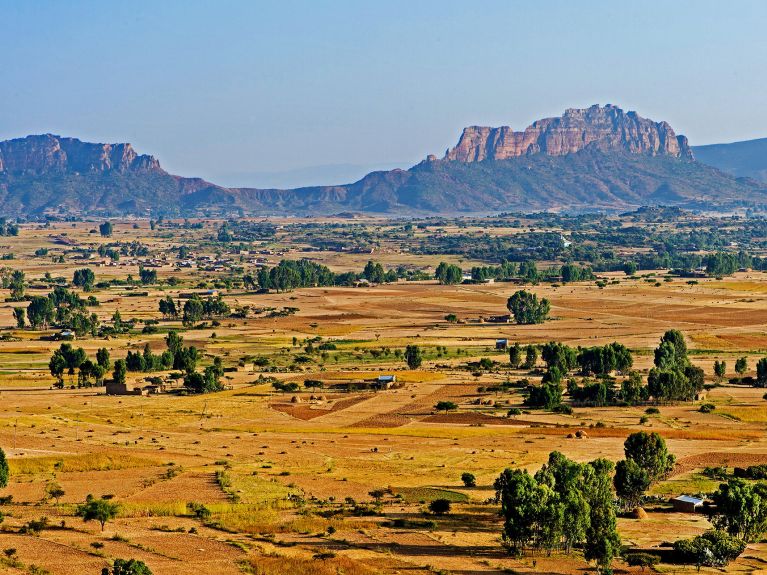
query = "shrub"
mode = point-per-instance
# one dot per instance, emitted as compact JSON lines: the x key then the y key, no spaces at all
{"x":439,"y":506}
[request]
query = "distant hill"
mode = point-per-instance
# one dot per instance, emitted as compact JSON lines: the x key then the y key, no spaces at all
{"x":598,"y":158}
{"x":746,"y":159}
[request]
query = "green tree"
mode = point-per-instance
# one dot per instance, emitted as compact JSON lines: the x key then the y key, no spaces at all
{"x":649,"y":452}
{"x":84,"y":278}
{"x":720,"y":369}
{"x":101,"y":510}
{"x":40,"y":312}
{"x":4,"y":470}
{"x":602,"y":540}
{"x":127,"y":567}
{"x":741,"y":365}
{"x":468,"y":479}
{"x":440,"y":506}
{"x":633,"y":390}
{"x":631,"y":481}
{"x":445,"y":406}
{"x":17,"y":285}
{"x":713,"y":548}
{"x":54,"y":491}
{"x":102,"y":358}
{"x":120,"y":370}
{"x":741,"y":509}
{"x":515,"y":355}
{"x":761,"y":372}
{"x":413,"y":356}
{"x":448,"y":274}
{"x":531,"y":357}
{"x":526,"y":308}
{"x":105,"y":229}
{"x":20,"y":315}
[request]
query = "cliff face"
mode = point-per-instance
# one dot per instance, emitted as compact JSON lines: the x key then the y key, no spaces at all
{"x":605,"y":128}
{"x":49,"y":154}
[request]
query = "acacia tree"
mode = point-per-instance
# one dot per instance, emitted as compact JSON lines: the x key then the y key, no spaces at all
{"x":526,"y":308}
{"x":101,"y":510}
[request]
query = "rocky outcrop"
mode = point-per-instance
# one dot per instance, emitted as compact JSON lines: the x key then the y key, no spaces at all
{"x":605,"y":128}
{"x":49,"y":154}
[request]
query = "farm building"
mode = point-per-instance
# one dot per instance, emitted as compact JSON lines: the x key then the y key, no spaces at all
{"x":501,"y":343}
{"x":687,"y":503}
{"x":385,"y":381}
{"x":114,"y":388}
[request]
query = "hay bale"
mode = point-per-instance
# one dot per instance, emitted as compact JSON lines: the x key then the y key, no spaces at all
{"x":570,"y":436}
{"x":295,"y":399}
{"x":580,"y":434}
{"x":639,"y":513}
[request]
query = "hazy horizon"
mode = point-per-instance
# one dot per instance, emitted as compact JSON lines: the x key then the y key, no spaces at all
{"x":271,"y":89}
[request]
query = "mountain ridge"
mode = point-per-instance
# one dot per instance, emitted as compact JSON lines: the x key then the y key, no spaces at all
{"x":593,"y":158}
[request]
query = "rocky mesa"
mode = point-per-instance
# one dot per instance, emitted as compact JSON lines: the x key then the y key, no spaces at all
{"x":607,"y":128}
{"x":47,"y":154}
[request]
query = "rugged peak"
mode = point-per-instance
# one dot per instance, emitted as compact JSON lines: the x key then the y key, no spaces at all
{"x":608,"y":128}
{"x":47,"y":153}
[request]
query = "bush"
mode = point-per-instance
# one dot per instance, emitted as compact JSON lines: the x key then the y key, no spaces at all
{"x":707,"y":408}
{"x":652,"y":411}
{"x":468,"y":479}
{"x":642,"y":560}
{"x":440,"y":506}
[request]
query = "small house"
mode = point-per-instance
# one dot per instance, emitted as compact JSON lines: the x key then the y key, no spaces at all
{"x":65,"y":335}
{"x":687,"y":504}
{"x":501,"y":344}
{"x":114,"y":388}
{"x":385,"y":381}
{"x":499,"y":319}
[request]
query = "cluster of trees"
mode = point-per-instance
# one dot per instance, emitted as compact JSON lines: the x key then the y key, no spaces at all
{"x":564,"y":505}
{"x":147,"y":361}
{"x":292,"y":274}
{"x":526,"y":308}
{"x":506,"y":271}
{"x":561,"y":359}
{"x":673,"y":378}
{"x":68,"y":359}
{"x":61,"y":308}
{"x":448,"y":274}
{"x":185,"y":359}
{"x":147,"y":276}
{"x":168,"y":307}
{"x":84,"y":278}
{"x":196,"y":308}
{"x":7,"y":228}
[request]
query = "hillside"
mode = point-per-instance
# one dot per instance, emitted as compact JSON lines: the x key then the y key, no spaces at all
{"x":746,"y":159}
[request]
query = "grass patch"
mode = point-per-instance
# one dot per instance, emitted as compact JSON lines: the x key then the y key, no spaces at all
{"x":428,"y":494}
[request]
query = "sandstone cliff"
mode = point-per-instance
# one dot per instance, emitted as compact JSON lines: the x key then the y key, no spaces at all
{"x":605,"y":128}
{"x":47,"y":154}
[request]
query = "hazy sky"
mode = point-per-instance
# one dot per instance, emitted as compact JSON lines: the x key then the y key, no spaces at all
{"x":223,"y":88}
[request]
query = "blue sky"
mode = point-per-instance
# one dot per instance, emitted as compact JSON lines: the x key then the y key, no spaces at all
{"x":230,"y":90}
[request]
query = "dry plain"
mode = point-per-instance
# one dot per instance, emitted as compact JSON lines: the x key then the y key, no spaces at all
{"x":278,"y":472}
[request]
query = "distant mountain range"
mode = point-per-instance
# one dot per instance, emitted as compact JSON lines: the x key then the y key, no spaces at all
{"x":743,"y":159}
{"x":598,"y":158}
